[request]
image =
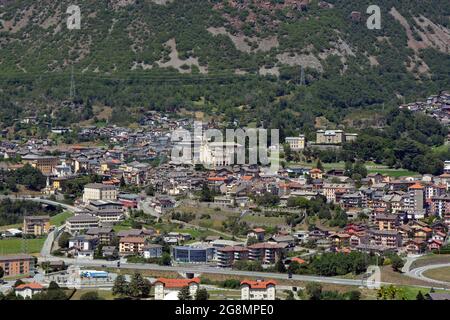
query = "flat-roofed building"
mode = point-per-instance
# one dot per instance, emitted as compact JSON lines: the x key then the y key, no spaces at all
{"x":226,"y":256}
{"x":131,"y":245}
{"x":18,"y":264}
{"x":265,"y":252}
{"x":82,"y":222}
{"x":99,"y":191}
{"x":296,"y":143}
{"x":45,"y":164}
{"x":36,"y":225}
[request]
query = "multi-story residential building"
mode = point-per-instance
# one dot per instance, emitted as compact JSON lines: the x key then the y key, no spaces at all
{"x":83,"y":242}
{"x":258,"y":290}
{"x":36,"y":225}
{"x":226,"y":256}
{"x":18,"y":264}
{"x":296,"y":143}
{"x":334,"y":191}
{"x":386,"y":238}
{"x":99,"y":191}
{"x":82,"y":222}
{"x":416,"y":200}
{"x":45,"y":164}
{"x":152,"y":251}
{"x":265,"y":252}
{"x":387,"y":222}
{"x":108,"y":216}
{"x":131,"y":245}
{"x":440,"y":205}
{"x":351,"y":200}
{"x":168,"y":289}
{"x":105,"y":235}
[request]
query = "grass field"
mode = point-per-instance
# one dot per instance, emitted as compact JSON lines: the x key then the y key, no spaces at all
{"x":262,"y":220}
{"x":105,"y":294}
{"x":441,"y":274}
{"x":371,"y":168}
{"x":11,"y":246}
{"x":60,"y":218}
{"x":431,"y":259}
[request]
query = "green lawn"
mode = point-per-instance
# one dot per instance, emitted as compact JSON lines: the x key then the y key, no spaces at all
{"x":60,"y":218}
{"x":12,"y":246}
{"x":262,"y":220}
{"x":441,"y":274}
{"x":105,"y":294}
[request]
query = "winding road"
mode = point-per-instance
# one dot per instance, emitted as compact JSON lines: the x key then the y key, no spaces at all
{"x":417,"y":273}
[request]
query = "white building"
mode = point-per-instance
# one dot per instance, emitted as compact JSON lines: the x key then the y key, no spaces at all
{"x":81,"y":222}
{"x":258,"y":290}
{"x":219,"y":153}
{"x":168,"y":289}
{"x":296,"y":143}
{"x":99,"y":191}
{"x":27,"y":290}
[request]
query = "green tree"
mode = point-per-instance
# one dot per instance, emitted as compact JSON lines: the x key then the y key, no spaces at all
{"x":319,"y":165}
{"x":184,"y":294}
{"x":289,"y":295}
{"x":91,"y":295}
{"x":279,"y":266}
{"x":314,"y":290}
{"x":420,"y":296}
{"x":63,"y":240}
{"x":120,"y":287}
{"x":166,"y":260}
{"x":201,"y":294}
{"x":397,"y":263}
{"x":18,"y":283}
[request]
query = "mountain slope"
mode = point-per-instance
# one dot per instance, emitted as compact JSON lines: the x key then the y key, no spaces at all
{"x":171,"y":54}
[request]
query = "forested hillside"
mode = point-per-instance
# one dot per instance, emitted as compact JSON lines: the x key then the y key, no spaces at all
{"x":241,"y":60}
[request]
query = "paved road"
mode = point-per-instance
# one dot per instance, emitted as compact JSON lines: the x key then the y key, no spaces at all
{"x":417,"y":273}
{"x":207,"y":269}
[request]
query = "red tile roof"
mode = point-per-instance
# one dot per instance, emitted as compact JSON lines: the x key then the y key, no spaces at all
{"x":217,"y":179}
{"x":177,"y":283}
{"x":132,"y":240}
{"x":299,"y":260}
{"x":32,"y":285}
{"x":258,"y":284}
{"x":416,"y":186}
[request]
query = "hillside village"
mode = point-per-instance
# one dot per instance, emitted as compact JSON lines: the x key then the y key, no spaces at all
{"x":126,"y":202}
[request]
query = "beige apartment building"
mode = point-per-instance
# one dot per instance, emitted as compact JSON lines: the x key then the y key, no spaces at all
{"x":36,"y":225}
{"x":99,"y":191}
{"x":296,"y":143}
